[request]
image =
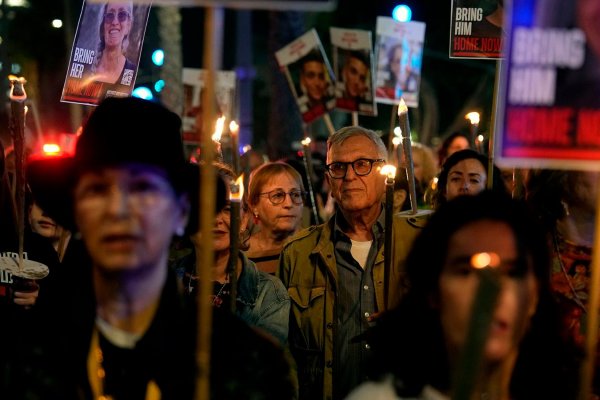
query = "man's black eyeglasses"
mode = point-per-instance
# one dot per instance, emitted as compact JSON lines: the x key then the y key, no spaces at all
{"x":277,"y":196}
{"x":361,"y":167}
{"x":122,"y":16}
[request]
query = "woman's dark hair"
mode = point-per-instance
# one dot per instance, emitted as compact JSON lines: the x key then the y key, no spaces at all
{"x":443,"y":150}
{"x":455,"y":158}
{"x":409,"y":341}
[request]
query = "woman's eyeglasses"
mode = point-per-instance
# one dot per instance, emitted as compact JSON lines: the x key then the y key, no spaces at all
{"x":122,"y":16}
{"x":277,"y":196}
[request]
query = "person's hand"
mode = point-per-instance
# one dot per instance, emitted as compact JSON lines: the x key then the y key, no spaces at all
{"x":375,"y":316}
{"x":26,"y":299}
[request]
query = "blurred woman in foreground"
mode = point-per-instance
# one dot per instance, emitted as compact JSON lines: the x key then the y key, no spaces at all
{"x":420,"y":345}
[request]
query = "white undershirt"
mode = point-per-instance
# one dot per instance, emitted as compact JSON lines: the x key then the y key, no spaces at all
{"x":360,"y":251}
{"x":116,"y":336}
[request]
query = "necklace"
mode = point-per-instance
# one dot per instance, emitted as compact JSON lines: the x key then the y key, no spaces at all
{"x":217,"y":299}
{"x":97,"y":373}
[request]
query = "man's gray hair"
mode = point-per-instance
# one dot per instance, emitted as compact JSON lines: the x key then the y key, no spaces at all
{"x":341,"y":135}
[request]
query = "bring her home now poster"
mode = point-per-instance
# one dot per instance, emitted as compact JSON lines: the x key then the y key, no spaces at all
{"x":549,"y":114}
{"x":106,"y":52}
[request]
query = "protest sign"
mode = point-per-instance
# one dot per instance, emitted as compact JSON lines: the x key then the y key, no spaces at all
{"x":399,"y":59}
{"x":353,"y":65}
{"x":476,"y":29}
{"x":193,"y":80}
{"x":549,"y":104}
{"x":106,"y":52}
{"x":309,"y":75}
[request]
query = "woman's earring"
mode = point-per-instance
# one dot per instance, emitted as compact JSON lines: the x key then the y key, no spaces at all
{"x":255,"y":218}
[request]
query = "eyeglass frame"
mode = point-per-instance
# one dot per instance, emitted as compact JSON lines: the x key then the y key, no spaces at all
{"x":116,"y":15}
{"x":285,"y":194}
{"x":371,"y":161}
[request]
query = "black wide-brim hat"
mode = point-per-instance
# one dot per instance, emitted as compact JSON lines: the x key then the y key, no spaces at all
{"x":119,"y":131}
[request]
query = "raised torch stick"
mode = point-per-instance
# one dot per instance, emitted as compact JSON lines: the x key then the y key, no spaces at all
{"x":390,"y":175}
{"x":407,"y":147}
{"x":306,"y":157}
{"x":236,"y":193}
{"x":473,"y":117}
{"x":482,"y":311}
{"x":17,"y":105}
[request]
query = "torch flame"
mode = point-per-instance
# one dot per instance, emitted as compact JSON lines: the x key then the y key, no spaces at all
{"x":397,"y":131}
{"x":237,"y":189}
{"x":484,"y":260}
{"x":402,"y":108}
{"x":305,"y":141}
{"x":473,"y":117}
{"x":480,"y":138}
{"x":396,"y":141}
{"x":388,"y":170}
{"x":233,"y":127}
{"x":51,"y":149}
{"x":246,"y":149}
{"x":218,"y":129}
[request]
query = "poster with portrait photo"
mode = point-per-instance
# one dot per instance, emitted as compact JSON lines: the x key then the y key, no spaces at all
{"x":353,"y":66}
{"x":399,"y":56}
{"x":309,"y":75}
{"x":106,"y":51}
{"x":476,"y":29}
{"x":193,"y":80}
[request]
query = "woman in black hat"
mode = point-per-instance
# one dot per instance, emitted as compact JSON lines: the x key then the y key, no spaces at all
{"x":125,"y":329}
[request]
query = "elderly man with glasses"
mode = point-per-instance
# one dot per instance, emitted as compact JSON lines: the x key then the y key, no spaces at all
{"x":334,"y":272}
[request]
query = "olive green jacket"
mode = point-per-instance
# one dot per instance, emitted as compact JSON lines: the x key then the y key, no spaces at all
{"x":308,"y":270}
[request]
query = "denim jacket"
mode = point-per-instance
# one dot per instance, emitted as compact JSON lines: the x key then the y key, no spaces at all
{"x":262,"y":300}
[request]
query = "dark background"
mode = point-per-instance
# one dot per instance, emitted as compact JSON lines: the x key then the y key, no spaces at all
{"x":449,"y":89}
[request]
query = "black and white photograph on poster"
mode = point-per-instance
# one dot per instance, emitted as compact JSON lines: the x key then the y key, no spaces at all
{"x":309,"y":75}
{"x":193,"y":80}
{"x":106,"y":51}
{"x":353,"y":66}
{"x":399,"y":52}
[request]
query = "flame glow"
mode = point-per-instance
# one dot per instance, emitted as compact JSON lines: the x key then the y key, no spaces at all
{"x":388,"y":170}
{"x":483,"y":260}
{"x":396,"y":141}
{"x":218,"y":129}
{"x":50,"y":149}
{"x":480,"y":138}
{"x":305,"y":141}
{"x":237,"y":189}
{"x":402,"y":108}
{"x":234,"y":127}
{"x":398,"y":131}
{"x":473,"y":117}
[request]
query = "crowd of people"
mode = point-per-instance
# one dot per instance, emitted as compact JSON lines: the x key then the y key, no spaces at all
{"x":300,"y":310}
